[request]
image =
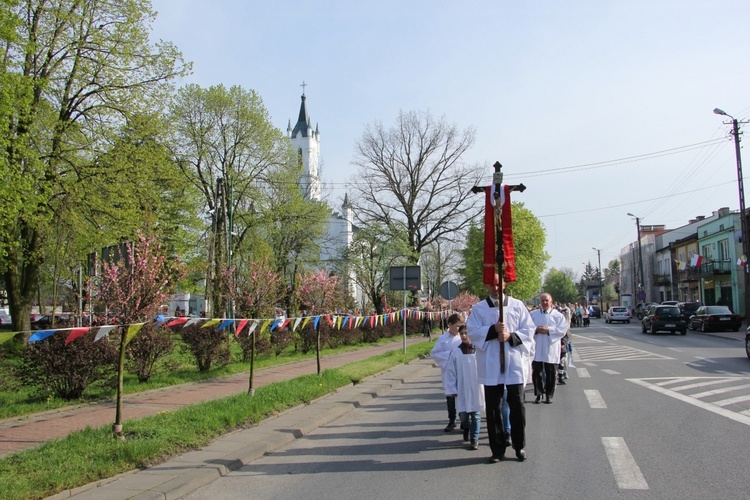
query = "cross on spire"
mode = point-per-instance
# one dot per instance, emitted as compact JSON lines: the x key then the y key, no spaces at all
{"x":303,"y":87}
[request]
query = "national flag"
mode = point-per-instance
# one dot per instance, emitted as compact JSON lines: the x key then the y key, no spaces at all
{"x":696,"y":260}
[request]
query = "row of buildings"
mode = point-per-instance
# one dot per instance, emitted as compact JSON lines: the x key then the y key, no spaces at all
{"x":701,"y":261}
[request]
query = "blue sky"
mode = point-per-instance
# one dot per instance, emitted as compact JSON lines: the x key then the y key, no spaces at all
{"x":599,"y":107}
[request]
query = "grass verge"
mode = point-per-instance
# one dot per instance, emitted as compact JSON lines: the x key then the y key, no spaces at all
{"x":92,"y":454}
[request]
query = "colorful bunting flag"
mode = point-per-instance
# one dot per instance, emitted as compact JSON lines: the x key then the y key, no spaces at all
{"x":240,"y":326}
{"x":75,"y":333}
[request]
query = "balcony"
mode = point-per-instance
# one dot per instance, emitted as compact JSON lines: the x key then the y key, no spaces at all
{"x":662,"y":280}
{"x":690,"y":274}
{"x":716,"y":267}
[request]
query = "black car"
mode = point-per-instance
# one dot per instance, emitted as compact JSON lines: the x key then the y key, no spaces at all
{"x":663,"y":318}
{"x":45,"y":321}
{"x":595,"y":312}
{"x":715,"y":318}
{"x":687,"y":309}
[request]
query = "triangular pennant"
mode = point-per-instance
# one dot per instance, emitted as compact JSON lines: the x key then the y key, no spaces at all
{"x":240,"y":326}
{"x":41,"y":335}
{"x":193,"y":321}
{"x":315,"y":323}
{"x":75,"y":333}
{"x":296,"y":324}
{"x":225,"y":323}
{"x":305,"y":322}
{"x":103,"y":332}
{"x":177,"y":322}
{"x":253,"y":327}
{"x":132,"y":331}
{"x":211,"y":322}
{"x":265,"y":324}
{"x":285,"y":323}
{"x":6,"y":336}
{"x":275,"y":323}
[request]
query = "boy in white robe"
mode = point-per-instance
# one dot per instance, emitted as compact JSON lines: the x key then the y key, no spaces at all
{"x":462,"y":381}
{"x":440,"y":353}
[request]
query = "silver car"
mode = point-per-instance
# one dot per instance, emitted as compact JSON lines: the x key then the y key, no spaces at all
{"x":617,"y":313}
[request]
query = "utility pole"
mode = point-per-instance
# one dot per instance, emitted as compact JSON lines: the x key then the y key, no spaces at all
{"x":599,"y":256}
{"x":640,"y":256}
{"x":743,"y":216}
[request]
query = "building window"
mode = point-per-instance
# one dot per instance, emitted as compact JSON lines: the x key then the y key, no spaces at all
{"x":724,"y":250}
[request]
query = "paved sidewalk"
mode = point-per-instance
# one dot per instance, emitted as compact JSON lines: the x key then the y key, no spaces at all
{"x":186,"y":473}
{"x":29,"y":431}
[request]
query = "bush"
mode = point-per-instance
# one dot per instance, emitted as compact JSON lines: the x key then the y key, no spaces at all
{"x":68,"y":370}
{"x":207,"y":345}
{"x":281,"y":339}
{"x":146,"y":349}
{"x":262,"y":344}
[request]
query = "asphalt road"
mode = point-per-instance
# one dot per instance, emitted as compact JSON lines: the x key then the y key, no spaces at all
{"x":642,"y":416}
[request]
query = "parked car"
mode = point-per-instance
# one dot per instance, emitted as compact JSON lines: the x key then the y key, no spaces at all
{"x":687,"y":309}
{"x":45,"y":321}
{"x":663,"y":318}
{"x":618,"y":313}
{"x":4,"y":318}
{"x":641,"y":309}
{"x":716,"y":318}
{"x":747,"y":342}
{"x":595,"y":312}
{"x":671,"y":303}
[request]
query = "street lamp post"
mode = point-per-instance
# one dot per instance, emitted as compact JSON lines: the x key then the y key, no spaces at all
{"x":743,"y":217}
{"x":640,"y":254}
{"x":599,"y":256}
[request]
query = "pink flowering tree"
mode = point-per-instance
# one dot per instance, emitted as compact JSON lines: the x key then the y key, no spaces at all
{"x":319,"y":293}
{"x":464,"y":302}
{"x":255,"y":291}
{"x":131,"y":289}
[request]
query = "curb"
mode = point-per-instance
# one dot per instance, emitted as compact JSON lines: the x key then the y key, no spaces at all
{"x":186,"y":473}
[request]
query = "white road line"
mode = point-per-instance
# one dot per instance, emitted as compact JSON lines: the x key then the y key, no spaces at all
{"x":705,"y":360}
{"x":627,"y":473}
{"x":715,"y":392}
{"x":610,"y":372}
{"x":700,"y":384}
{"x":731,"y":401}
{"x":595,"y":399}
{"x":583,"y":373}
{"x":746,"y":412}
{"x":737,"y":417}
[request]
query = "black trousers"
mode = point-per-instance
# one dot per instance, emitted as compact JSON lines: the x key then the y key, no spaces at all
{"x":451,"y":402}
{"x":544,"y":376}
{"x":493,"y":395}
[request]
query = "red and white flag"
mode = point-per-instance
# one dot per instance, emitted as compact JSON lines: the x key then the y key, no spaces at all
{"x":696,"y":260}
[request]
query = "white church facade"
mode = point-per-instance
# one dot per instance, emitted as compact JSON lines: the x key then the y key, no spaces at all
{"x":340,"y":229}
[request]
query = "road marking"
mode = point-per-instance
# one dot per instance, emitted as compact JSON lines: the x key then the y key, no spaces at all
{"x":595,"y":399}
{"x":693,"y":386}
{"x":731,"y":401}
{"x":714,"y":392}
{"x":627,"y":473}
{"x":583,"y":373}
{"x":611,"y":372}
{"x":740,"y":417}
{"x":615,"y":353}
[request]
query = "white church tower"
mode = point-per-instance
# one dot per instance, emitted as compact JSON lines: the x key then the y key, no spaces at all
{"x":340,"y":232}
{"x":306,"y":142}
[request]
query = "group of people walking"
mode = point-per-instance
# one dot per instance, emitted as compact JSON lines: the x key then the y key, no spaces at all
{"x":486,"y":363}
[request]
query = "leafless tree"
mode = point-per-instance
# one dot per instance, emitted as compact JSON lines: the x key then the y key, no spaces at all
{"x":412,"y":178}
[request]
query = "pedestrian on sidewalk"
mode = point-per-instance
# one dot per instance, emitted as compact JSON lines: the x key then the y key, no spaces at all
{"x":440,"y":353}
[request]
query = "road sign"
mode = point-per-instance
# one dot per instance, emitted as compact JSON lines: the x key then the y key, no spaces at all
{"x":448,"y":290}
{"x":412,"y":281}
{"x":641,"y":295}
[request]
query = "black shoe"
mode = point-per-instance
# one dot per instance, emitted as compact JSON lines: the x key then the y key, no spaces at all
{"x":450,"y":426}
{"x":548,"y":400}
{"x":466,"y":434}
{"x":474,"y":445}
{"x":507,"y":440}
{"x":561,"y":382}
{"x":495,"y":459}
{"x":521,"y":455}
{"x":538,"y":399}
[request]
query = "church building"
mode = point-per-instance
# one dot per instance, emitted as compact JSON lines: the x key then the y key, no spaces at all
{"x":340,"y":230}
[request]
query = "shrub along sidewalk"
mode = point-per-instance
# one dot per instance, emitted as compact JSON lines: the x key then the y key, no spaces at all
{"x":93,"y":454}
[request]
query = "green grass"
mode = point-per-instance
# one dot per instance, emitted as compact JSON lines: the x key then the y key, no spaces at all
{"x":16,"y":400}
{"x":93,"y":454}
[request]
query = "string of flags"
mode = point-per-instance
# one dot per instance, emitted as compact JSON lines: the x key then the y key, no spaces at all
{"x":337,"y":321}
{"x":696,"y":260}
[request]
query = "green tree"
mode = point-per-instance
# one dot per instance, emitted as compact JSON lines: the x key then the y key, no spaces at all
{"x":560,"y":285}
{"x":76,"y":70}
{"x":472,"y":259}
{"x":369,"y":258}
